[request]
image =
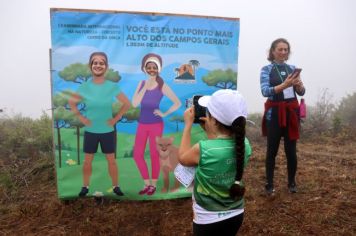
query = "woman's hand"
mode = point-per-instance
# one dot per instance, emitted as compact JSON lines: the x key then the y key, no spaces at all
{"x":157,"y":112}
{"x":85,"y":120}
{"x":289,"y":81}
{"x":189,"y":116}
{"x":298,"y":84}
{"x":113,"y":121}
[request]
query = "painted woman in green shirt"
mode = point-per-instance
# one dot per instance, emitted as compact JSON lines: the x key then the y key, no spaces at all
{"x":98,"y":94}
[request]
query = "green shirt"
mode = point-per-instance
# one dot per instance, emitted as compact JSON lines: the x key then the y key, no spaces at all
{"x":98,"y":99}
{"x":216,"y":173}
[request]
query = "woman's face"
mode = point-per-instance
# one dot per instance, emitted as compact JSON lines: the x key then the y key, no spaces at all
{"x":98,"y":65}
{"x":281,"y":52}
{"x":151,"y":69}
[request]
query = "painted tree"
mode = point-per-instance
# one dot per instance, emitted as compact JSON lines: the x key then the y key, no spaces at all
{"x":60,"y":117}
{"x":177,"y":120}
{"x":64,"y":118}
{"x":176,"y":70}
{"x":130,"y":116}
{"x":194,"y":64}
{"x":74,"y":121}
{"x":223,"y":79}
{"x":79,"y":73}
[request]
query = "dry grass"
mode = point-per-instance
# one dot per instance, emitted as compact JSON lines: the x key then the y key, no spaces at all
{"x":324,"y":205}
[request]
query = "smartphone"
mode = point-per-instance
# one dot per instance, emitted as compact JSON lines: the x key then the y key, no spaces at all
{"x":296,"y":72}
{"x":198,"y":110}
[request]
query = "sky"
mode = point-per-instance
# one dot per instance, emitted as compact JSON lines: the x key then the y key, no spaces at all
{"x":322,"y":35}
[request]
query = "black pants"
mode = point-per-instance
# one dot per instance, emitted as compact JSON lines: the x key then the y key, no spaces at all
{"x":228,"y":227}
{"x":274,"y":135}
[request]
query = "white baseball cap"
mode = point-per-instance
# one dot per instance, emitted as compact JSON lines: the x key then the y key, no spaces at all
{"x":225,"y":105}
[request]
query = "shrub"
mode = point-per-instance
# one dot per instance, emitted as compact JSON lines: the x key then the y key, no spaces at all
{"x":25,"y":137}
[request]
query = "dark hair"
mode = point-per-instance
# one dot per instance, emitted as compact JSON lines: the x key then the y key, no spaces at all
{"x":238,"y":128}
{"x":273,"y":47}
{"x":143,"y":64}
{"x":98,"y":54}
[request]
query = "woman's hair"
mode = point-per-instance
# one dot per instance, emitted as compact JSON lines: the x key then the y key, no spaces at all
{"x":273,"y":47}
{"x":239,"y":131}
{"x":91,"y":58}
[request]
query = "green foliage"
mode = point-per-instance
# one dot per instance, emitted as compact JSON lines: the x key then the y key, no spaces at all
{"x":5,"y":180}
{"x":112,"y":75}
{"x":61,"y":99}
{"x":223,"y":79}
{"x":76,"y":72}
{"x":177,"y":118}
{"x":319,"y":118}
{"x":336,"y":125}
{"x":24,"y":137}
{"x":253,"y":128}
{"x":79,"y":73}
{"x":131,"y":115}
{"x":346,"y":111}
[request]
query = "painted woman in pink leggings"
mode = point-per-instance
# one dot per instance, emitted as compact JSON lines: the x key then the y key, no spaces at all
{"x":149,"y":94}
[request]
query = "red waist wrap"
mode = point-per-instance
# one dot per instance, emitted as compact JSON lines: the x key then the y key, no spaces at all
{"x":283,"y":107}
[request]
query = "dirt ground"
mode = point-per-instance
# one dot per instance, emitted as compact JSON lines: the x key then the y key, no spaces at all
{"x":324,"y":205}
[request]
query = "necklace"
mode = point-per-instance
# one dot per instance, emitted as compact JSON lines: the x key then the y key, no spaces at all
{"x":279,"y":73}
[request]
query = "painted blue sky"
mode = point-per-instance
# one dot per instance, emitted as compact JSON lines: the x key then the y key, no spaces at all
{"x":211,"y":41}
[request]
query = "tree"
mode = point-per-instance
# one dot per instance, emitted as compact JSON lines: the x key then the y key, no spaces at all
{"x":319,"y":117}
{"x":221,"y":79}
{"x":79,"y":73}
{"x":64,"y":118}
{"x":60,"y":117}
{"x":346,"y":111}
{"x":195,"y":64}
{"x":130,"y":116}
{"x":176,"y":70}
{"x":177,"y":120}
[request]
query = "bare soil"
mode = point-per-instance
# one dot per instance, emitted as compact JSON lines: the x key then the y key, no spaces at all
{"x":324,"y":205}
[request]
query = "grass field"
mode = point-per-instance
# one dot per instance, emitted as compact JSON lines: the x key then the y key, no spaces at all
{"x":69,"y":173}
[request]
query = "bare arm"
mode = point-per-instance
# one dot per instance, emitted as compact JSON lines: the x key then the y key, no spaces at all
{"x":73,"y":101}
{"x":125,"y":106}
{"x":167,"y":91}
{"x":188,"y":155}
{"x":138,"y":95}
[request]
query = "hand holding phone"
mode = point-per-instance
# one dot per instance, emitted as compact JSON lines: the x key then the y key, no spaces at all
{"x":296,"y":72}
